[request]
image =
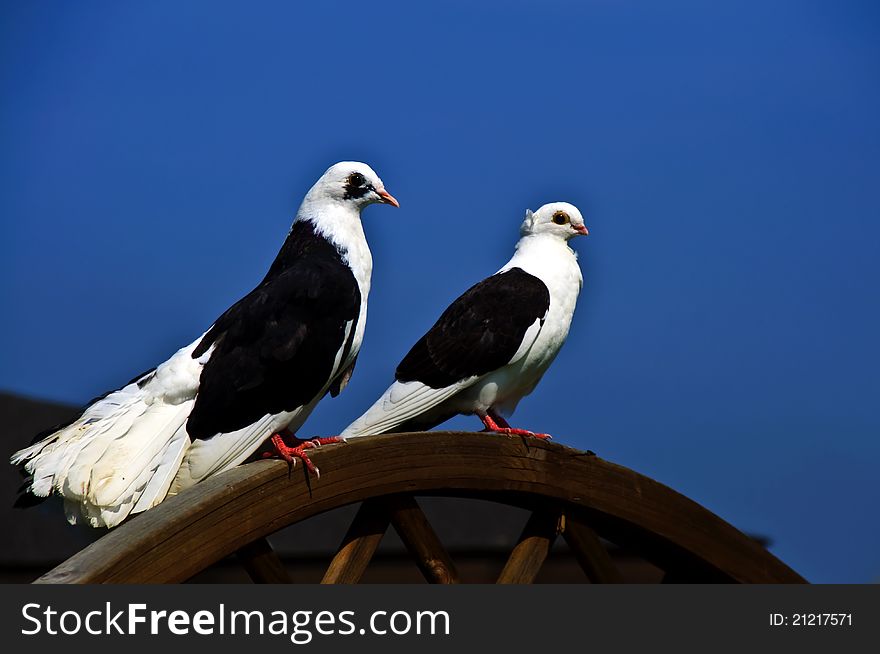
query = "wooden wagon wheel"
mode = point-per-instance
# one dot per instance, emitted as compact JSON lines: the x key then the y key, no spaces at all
{"x":571,"y":493}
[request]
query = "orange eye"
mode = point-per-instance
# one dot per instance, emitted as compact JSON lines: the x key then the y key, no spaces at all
{"x":560,"y":218}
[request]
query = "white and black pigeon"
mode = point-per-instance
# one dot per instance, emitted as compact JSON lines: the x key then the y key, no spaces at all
{"x":257,"y":373}
{"x":493,"y":344}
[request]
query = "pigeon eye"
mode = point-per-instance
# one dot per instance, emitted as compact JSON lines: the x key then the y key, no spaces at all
{"x":356,"y":180}
{"x":560,"y":218}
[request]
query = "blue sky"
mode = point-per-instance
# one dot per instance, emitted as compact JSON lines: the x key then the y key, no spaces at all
{"x":726,"y":157}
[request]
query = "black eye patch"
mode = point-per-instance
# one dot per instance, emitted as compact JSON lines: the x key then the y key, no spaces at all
{"x":356,"y":186}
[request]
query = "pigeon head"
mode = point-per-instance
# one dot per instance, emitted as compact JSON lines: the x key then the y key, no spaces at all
{"x":354,"y":183}
{"x":557,"y":218}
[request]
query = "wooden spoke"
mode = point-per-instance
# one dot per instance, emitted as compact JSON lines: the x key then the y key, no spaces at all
{"x":262,"y":563}
{"x":534,"y":544}
{"x":589,"y":551}
{"x":359,"y":545}
{"x":417,"y":534}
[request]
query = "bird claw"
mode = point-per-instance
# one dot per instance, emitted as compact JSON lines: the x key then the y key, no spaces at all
{"x":524,"y":432}
{"x":497,"y":424}
{"x":318,"y":442}
{"x":291,"y":454}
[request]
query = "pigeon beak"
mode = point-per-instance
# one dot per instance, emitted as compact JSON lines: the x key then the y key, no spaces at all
{"x":387,"y":198}
{"x":582,"y":229}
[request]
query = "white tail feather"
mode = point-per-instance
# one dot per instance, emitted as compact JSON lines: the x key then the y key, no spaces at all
{"x":160,"y":481}
{"x":223,"y":451}
{"x":124,"y":468}
{"x":104,"y":461}
{"x":401,"y":402}
{"x":74,"y":469}
{"x":121,"y":454}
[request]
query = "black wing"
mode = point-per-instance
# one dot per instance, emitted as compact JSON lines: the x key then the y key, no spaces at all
{"x":479,"y":332}
{"x":274,"y":349}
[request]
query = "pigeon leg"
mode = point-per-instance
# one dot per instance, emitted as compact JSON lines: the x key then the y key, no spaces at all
{"x":496,"y":423}
{"x":499,"y":419}
{"x":290,"y":454}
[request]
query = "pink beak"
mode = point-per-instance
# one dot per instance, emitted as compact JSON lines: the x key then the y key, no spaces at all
{"x":387,"y":198}
{"x":582,"y":229}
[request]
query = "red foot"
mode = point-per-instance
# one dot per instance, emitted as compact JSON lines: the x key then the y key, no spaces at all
{"x":498,"y":424}
{"x":291,"y":454}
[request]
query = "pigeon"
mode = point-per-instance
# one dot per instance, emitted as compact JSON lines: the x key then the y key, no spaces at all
{"x":493,"y":344}
{"x":255,"y":374}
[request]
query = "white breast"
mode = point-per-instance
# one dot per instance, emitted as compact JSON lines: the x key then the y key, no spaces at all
{"x":341,"y":225}
{"x":360,"y":259}
{"x":555,"y":264}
